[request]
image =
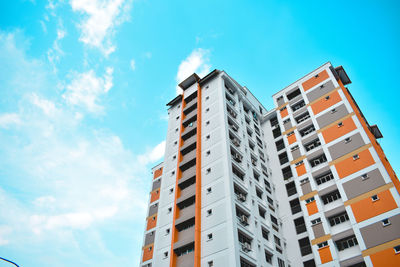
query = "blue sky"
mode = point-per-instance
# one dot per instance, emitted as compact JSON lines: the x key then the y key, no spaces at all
{"x":83,"y":88}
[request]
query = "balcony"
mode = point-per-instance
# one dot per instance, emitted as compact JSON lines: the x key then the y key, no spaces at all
{"x":233,"y":125}
{"x":313,"y":144}
{"x":303,"y":117}
{"x":231,"y":112}
{"x":298,"y":105}
{"x":236,"y":156}
{"x":331,"y":197}
{"x":234,"y":139}
{"x":318,"y":160}
{"x":188,"y":160}
{"x":307,"y":130}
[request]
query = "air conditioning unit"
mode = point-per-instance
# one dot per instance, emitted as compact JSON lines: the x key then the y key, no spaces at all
{"x":242,"y":197}
{"x":236,"y":142}
{"x":246,"y":247}
{"x":244,"y":220}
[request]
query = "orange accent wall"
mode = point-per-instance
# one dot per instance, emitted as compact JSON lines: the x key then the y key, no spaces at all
{"x":386,"y":257}
{"x":366,"y":208}
{"x":301,"y":169}
{"x":323,"y":103}
{"x":151,"y":223}
{"x":375,"y":144}
{"x":155,"y":195}
{"x":291,"y":139}
{"x":312,"y":208}
{"x":310,"y":83}
{"x":284,"y":113}
{"x":325,"y":254}
{"x":147,"y":254}
{"x":157,"y":173}
{"x":349,"y":165}
{"x":335,"y":132}
{"x":197,"y":226}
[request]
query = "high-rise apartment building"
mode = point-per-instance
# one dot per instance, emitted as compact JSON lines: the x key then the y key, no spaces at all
{"x":305,"y":184}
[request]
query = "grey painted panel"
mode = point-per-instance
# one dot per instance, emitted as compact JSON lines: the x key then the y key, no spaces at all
{"x":189,"y":142}
{"x":330,"y":117}
{"x":287,"y":125}
{"x":190,"y":104}
{"x":306,"y":188}
{"x":187,"y":193}
{"x":281,"y":102}
{"x":156,"y":184}
{"x":321,"y":171}
{"x":185,"y":237}
{"x":185,"y":214}
{"x":335,"y":211}
{"x":296,"y":153}
{"x":327,"y":190}
{"x":188,"y":157}
{"x":190,"y":115}
{"x":187,"y":174}
{"x":343,"y":234}
{"x":318,"y":92}
{"x":318,"y":230}
{"x":376,"y":234}
{"x":342,"y":148}
{"x":296,"y":99}
{"x":310,"y":138}
{"x":352,"y":261}
{"x":149,"y":239}
{"x":153,"y":209}
{"x":358,"y":186}
{"x":186,"y":260}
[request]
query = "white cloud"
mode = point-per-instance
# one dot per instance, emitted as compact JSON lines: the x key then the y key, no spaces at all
{"x":153,"y":155}
{"x":55,"y":53}
{"x":100,"y":19}
{"x":8,"y":119}
{"x":197,"y":61}
{"x":133,"y":64}
{"x":86,"y":89}
{"x":48,"y":107}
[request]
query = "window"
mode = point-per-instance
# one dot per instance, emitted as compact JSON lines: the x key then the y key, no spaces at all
{"x":171,"y":190}
{"x":176,"y":129}
{"x":150,"y":248}
{"x":268,"y":256}
{"x":316,"y":221}
{"x":209,"y":212}
{"x":265,"y":233}
{"x":169,"y":210}
{"x":174,"y":157}
{"x":207,"y":97}
{"x":385,"y":222}
{"x":210,"y":264}
{"x":309,"y":200}
{"x":208,"y":109}
{"x":165,"y":254}
{"x":346,"y":243}
{"x":338,"y":219}
{"x":364,"y":177}
{"x":261,"y":211}
{"x":175,"y":143}
{"x":208,"y":170}
{"x":327,"y":97}
{"x":177,"y":118}
{"x":210,"y":236}
{"x":397,"y":249}
{"x":333,"y":110}
{"x":291,"y":189}
{"x":323,"y":178}
{"x":207,"y":122}
{"x":305,"y":247}
{"x":340,"y":124}
{"x":318,"y":160}
{"x":208,"y":152}
{"x":295,"y":206}
{"x":356,"y":157}
{"x":167,"y":231}
{"x":280,"y":145}
{"x":208,"y":137}
{"x":209,"y":190}
{"x":331,"y":197}
{"x":300,"y":225}
{"x":281,"y":263}
{"x":347,"y":140}
{"x":323,"y":244}
{"x":172,"y":173}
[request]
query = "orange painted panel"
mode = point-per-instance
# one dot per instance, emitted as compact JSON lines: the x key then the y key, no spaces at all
{"x":291,"y":139}
{"x":325,"y":254}
{"x":157,"y":173}
{"x":349,"y":165}
{"x":386,"y":257}
{"x":324,"y":103}
{"x":147,"y":253}
{"x":366,"y":208}
{"x":301,"y":169}
{"x":284,"y":113}
{"x":155,"y":195}
{"x":310,"y":83}
{"x":151,"y":222}
{"x":335,"y":131}
{"x":312,"y":208}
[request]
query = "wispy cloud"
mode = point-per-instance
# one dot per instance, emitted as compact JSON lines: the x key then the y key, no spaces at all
{"x":197,"y":61}
{"x":99,"y":21}
{"x":132,"y":64}
{"x":85,"y":89}
{"x":55,"y":52}
{"x":9,"y":119}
